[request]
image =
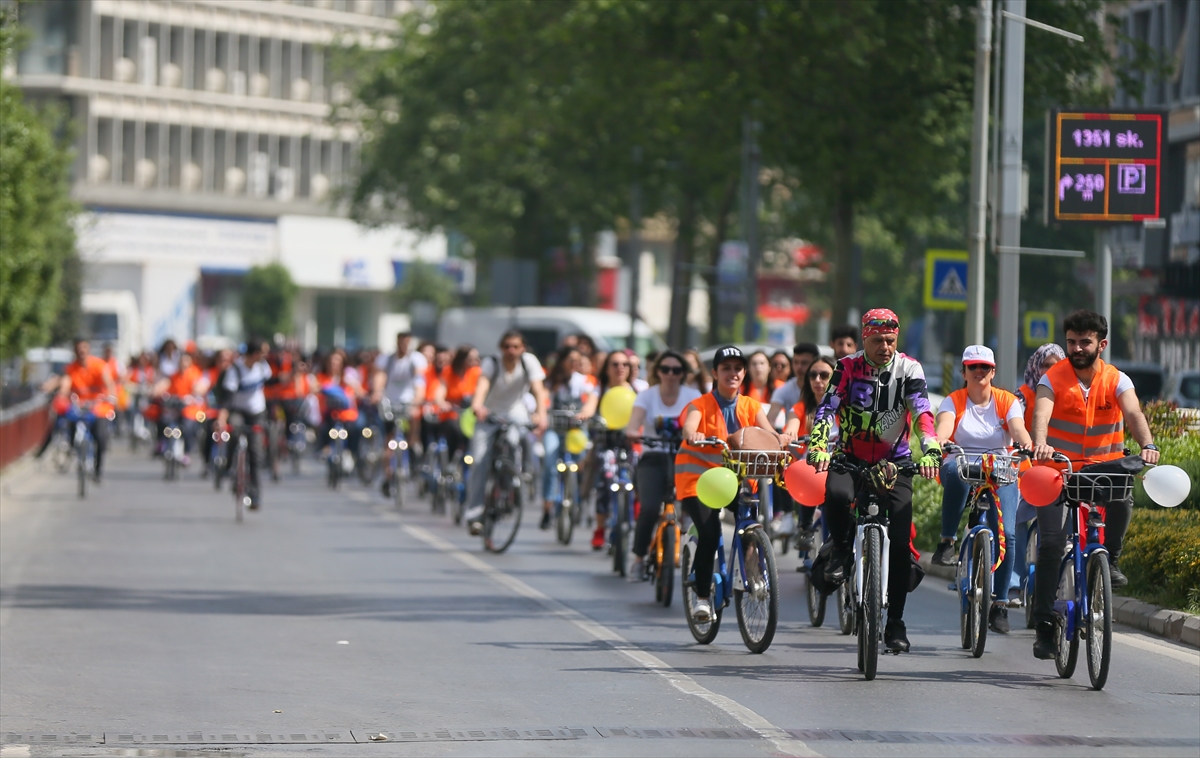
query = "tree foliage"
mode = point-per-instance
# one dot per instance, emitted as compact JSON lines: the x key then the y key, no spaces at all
{"x":423,"y":282}
{"x":267,"y":296}
{"x":36,"y":234}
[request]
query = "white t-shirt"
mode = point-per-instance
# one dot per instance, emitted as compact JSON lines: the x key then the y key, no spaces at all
{"x":508,"y":388}
{"x":979,"y":429}
{"x":1124,"y":384}
{"x":404,"y":376}
{"x":651,"y":401}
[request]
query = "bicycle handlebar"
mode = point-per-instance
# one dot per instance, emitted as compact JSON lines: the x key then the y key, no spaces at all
{"x":842,"y":465}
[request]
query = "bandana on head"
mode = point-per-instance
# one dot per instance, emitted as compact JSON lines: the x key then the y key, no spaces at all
{"x":879,"y":321}
{"x":1033,"y":369}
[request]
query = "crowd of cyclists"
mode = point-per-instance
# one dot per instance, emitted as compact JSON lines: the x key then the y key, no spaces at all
{"x":866,"y":403}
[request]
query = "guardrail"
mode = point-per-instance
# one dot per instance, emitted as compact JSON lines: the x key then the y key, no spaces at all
{"x":23,"y":427}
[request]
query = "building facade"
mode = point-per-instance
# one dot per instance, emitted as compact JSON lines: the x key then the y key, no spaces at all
{"x":205,"y":146}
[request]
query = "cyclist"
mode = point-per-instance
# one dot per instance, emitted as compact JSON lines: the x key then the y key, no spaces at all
{"x":501,"y":390}
{"x":665,"y":399}
{"x":242,"y":384}
{"x":781,"y":367}
{"x":716,"y":414}
{"x":875,"y":395}
{"x":187,"y":382}
{"x":432,"y":380}
{"x":788,"y":393}
{"x":759,"y":384}
{"x":800,"y":420}
{"x":1081,"y":410}
{"x":88,"y":378}
{"x":569,"y":391}
{"x":400,"y":377}
{"x":844,"y":341}
{"x":635,"y":371}
{"x":615,"y":373}
{"x":980,"y":418}
{"x":338,"y":392}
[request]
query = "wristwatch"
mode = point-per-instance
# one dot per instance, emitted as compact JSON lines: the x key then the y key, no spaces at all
{"x":1150,"y":446}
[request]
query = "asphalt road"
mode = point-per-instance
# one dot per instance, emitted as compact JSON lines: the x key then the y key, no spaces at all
{"x":145,"y":621}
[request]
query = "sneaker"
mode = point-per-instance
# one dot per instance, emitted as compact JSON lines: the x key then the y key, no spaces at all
{"x":1014,"y":598}
{"x":805,"y":539}
{"x":895,"y":636}
{"x":998,"y":618}
{"x":547,"y":520}
{"x":637,"y":570}
{"x":944,"y":555}
{"x":701,"y":610}
{"x":1117,"y":577}
{"x":598,"y":538}
{"x":835,"y":570}
{"x":386,"y":486}
{"x":474,"y":519}
{"x":255,"y":501}
{"x":1045,"y":646}
{"x":186,"y":460}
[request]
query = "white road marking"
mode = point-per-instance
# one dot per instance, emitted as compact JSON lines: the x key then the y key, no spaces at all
{"x":784,"y":742}
{"x":1162,"y":648}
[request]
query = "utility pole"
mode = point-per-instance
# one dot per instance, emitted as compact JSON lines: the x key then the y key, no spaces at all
{"x":977,"y":222}
{"x":751,"y":160}
{"x":1104,"y":267}
{"x":1009,"y":233}
{"x":635,"y":245}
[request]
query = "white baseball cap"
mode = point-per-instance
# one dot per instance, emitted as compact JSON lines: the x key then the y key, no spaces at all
{"x":979,"y":354}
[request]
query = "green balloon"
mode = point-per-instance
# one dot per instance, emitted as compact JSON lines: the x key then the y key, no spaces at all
{"x":717,"y":487}
{"x":466,"y":422}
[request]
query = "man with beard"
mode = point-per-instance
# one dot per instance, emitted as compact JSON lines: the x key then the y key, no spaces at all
{"x":1081,"y":410}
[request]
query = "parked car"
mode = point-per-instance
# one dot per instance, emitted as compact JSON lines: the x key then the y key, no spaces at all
{"x":1149,"y":379}
{"x":544,"y":328}
{"x":1184,"y":389}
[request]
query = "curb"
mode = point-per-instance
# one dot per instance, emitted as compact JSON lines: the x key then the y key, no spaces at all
{"x":1176,"y":626}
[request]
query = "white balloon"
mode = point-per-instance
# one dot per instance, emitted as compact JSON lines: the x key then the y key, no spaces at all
{"x":1167,"y":485}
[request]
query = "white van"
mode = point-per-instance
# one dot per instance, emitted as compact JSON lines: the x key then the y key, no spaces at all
{"x":544,"y":328}
{"x":112,"y":316}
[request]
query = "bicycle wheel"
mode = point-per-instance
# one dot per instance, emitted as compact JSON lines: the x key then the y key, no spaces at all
{"x":816,"y":601}
{"x":1099,"y":618}
{"x":962,"y":589}
{"x":1068,"y":648}
{"x":1031,"y":551}
{"x":81,"y":470}
{"x":502,"y":517}
{"x":845,"y":606}
{"x":620,"y":536}
{"x":757,"y":602}
{"x":239,"y":484}
{"x":664,"y":576}
{"x":566,"y":510}
{"x":703,"y":631}
{"x":980,"y":600}
{"x":872,"y":605}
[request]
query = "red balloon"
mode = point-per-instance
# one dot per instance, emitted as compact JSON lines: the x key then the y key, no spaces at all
{"x":1041,"y":485}
{"x":804,"y":484}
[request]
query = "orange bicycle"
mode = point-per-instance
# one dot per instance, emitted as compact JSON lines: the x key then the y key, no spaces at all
{"x":662,"y":559}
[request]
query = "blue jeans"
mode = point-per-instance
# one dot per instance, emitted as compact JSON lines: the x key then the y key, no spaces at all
{"x":954,"y":502}
{"x":551,"y":444}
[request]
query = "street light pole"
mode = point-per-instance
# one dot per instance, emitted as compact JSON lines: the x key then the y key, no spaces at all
{"x":1009,"y":233}
{"x":750,"y":165}
{"x":635,"y":248}
{"x":979,"y":175}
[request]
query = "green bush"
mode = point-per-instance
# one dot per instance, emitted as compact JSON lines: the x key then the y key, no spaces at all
{"x":1182,"y":450}
{"x":1161,"y":557}
{"x":927,"y":512}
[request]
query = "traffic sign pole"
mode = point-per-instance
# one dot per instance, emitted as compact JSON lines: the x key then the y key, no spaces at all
{"x":1010,"y":193}
{"x":979,"y":175}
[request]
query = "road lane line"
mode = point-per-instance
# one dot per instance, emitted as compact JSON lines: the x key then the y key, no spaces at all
{"x":1171,"y":651}
{"x":784,"y":742}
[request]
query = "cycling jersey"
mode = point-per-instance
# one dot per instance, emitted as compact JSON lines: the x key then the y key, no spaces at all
{"x":874,"y":407}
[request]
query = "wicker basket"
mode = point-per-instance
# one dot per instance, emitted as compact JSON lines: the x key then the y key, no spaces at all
{"x":757,"y":464}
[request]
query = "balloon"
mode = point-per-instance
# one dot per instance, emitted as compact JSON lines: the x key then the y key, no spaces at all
{"x":616,"y":406}
{"x":1167,"y":485}
{"x":805,"y":484}
{"x":576,"y":441}
{"x":717,"y":487}
{"x":466,"y":423}
{"x":1041,"y":486}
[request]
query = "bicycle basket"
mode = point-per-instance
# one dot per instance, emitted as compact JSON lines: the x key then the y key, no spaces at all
{"x":974,"y":468}
{"x":1099,"y":487}
{"x":563,"y":421}
{"x":756,"y":464}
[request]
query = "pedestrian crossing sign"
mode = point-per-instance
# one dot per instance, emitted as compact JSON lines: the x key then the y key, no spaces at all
{"x":1039,"y":328}
{"x":946,"y":280}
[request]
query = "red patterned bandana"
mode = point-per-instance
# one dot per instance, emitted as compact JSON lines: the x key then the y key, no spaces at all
{"x":879,"y":321}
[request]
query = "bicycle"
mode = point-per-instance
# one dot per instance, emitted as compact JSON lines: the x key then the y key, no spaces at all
{"x":339,"y":461}
{"x":218,"y":455}
{"x":398,"y":464}
{"x":978,"y":557}
{"x":241,"y":469}
{"x":616,"y":484}
{"x":173,"y":447}
{"x":80,"y":418}
{"x":370,"y":447}
{"x":750,"y":575}
{"x":503,"y":496}
{"x":569,"y":510}
{"x":662,"y":558}
{"x":868,"y":577}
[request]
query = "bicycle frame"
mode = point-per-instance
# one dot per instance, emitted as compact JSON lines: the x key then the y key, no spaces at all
{"x":1079,"y":552}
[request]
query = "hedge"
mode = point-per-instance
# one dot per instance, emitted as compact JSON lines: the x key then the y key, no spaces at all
{"x":1161,"y":557}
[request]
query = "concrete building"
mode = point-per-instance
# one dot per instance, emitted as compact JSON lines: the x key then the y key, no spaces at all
{"x":205,"y":146}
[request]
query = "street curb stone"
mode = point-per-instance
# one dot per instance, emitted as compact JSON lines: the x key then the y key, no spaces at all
{"x":1176,"y":626}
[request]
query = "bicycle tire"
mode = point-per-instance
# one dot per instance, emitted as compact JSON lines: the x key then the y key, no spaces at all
{"x":704,"y":632}
{"x":399,"y":479}
{"x":981,"y":593}
{"x":962,"y":584}
{"x":81,"y":475}
{"x":239,"y":486}
{"x":1027,"y":590}
{"x":620,"y":533}
{"x":502,"y":518}
{"x":1099,"y":618}
{"x":845,"y":605}
{"x":871,"y":615}
{"x":565,"y":522}
{"x":816,"y":601}
{"x":664,"y":573}
{"x":1067,"y":654}
{"x":757,"y":603}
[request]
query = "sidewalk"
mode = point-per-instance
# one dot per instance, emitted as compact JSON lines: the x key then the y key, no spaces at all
{"x":1176,"y":626}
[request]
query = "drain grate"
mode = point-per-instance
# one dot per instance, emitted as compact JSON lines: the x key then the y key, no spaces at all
{"x":43,"y":738}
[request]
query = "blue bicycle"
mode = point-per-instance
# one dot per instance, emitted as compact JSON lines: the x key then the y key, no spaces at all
{"x":568,"y":508}
{"x":80,"y":419}
{"x":750,"y":577}
{"x":616,"y":487}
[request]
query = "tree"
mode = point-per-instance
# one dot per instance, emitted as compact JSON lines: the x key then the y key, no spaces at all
{"x":423,"y":282}
{"x":267,"y":296}
{"x":36,"y":234}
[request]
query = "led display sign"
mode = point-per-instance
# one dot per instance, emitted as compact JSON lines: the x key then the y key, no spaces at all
{"x":1107,"y":167}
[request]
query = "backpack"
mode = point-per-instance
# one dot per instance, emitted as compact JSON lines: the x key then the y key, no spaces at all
{"x":497,"y":363}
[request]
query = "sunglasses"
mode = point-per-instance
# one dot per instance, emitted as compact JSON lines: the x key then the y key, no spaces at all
{"x":780,"y":365}
{"x":670,"y":369}
{"x":882,"y":323}
{"x":978,"y":367}
{"x":622,"y":364}
{"x":820,"y":375}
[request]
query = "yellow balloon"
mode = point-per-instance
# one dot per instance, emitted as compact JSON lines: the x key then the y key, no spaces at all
{"x":717,"y":487}
{"x":466,"y":422}
{"x":576,"y":442}
{"x":616,"y":406}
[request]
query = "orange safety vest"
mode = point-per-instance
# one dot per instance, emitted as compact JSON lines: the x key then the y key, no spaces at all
{"x":691,"y":461}
{"x":1086,"y":431}
{"x":802,"y":414}
{"x":1004,"y":400}
{"x":1029,"y":396}
{"x":346,"y":415}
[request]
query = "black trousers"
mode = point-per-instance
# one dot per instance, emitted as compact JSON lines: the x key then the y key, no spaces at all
{"x":708,"y":528}
{"x":254,"y":451}
{"x":839,"y":496}
{"x":1052,"y":543}
{"x":652,"y":489}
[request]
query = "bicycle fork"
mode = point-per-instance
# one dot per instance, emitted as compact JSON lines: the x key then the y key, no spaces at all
{"x":884,"y":561}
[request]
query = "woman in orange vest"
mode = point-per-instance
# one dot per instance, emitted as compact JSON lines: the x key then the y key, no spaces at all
{"x":799,"y":420}
{"x":980,"y":418}
{"x":716,"y":414}
{"x":335,"y":382}
{"x":759,"y":384}
{"x":1081,"y":410}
